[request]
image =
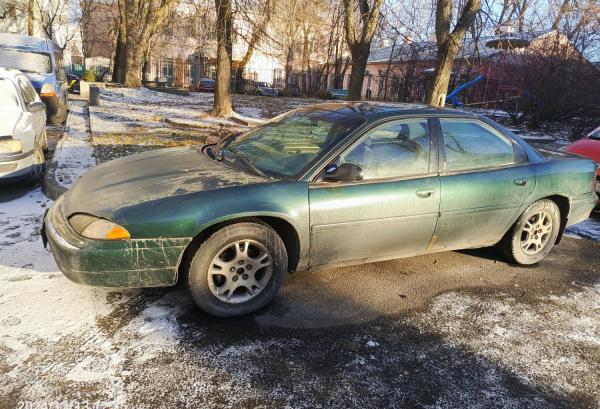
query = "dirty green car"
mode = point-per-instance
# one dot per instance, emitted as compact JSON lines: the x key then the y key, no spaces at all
{"x":328,"y":184}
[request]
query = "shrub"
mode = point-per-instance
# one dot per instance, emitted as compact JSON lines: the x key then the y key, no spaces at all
{"x":89,"y":76}
{"x":323,"y":94}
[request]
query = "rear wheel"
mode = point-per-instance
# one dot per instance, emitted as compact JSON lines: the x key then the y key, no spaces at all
{"x":534,"y":234}
{"x":238,"y":270}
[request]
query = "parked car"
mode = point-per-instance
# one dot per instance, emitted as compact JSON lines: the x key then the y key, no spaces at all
{"x":205,"y":85}
{"x":259,"y":88}
{"x":590,"y":148}
{"x":74,"y":84}
{"x":22,"y":128}
{"x":329,"y":184}
{"x":41,"y":60}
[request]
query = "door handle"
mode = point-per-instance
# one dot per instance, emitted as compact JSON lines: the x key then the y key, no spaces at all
{"x":425,"y":193}
{"x":520,"y":181}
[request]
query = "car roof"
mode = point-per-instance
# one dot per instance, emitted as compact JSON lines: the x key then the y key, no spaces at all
{"x":373,"y":111}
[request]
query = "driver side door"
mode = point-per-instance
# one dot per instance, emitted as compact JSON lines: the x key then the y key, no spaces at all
{"x":392,"y":212}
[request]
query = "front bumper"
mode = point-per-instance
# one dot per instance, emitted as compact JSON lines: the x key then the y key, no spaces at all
{"x":18,"y":166}
{"x":129,"y":263}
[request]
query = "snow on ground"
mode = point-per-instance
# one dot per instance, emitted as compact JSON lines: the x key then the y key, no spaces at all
{"x":73,"y":153}
{"x":123,"y":109}
{"x":556,"y":345}
{"x":587,"y":229}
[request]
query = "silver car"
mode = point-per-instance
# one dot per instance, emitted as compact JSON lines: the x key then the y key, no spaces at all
{"x":23,"y":136}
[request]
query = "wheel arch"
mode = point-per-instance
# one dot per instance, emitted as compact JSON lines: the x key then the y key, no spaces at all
{"x":288,"y":233}
{"x":564,"y":206}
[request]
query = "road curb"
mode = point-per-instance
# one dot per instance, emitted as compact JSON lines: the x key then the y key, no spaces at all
{"x":50,"y":186}
{"x":54,"y":185}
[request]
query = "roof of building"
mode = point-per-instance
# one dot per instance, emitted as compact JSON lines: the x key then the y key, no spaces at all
{"x":484,"y":46}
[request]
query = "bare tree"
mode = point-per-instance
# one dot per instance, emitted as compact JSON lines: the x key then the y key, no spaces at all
{"x":138,"y":21}
{"x":30,"y":16}
{"x":448,"y":43}
{"x":358,"y":36}
{"x":222,"y":101}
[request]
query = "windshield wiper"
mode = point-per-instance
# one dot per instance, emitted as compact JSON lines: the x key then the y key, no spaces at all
{"x":221,"y":145}
{"x":248,"y":163}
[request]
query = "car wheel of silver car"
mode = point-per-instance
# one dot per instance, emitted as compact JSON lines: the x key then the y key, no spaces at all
{"x":238,"y":270}
{"x":44,"y":141}
{"x":534,"y":234}
{"x":37,"y":170}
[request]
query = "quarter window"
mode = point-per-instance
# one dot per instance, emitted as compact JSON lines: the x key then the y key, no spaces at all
{"x":29,"y":94}
{"x":396,"y":149}
{"x":471,"y":145}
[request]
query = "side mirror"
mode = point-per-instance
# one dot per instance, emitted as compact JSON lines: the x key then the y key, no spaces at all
{"x":36,"y":106}
{"x":346,"y":172}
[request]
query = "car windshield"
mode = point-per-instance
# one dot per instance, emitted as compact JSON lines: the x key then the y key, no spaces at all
{"x":595,"y":134}
{"x":292,"y":142}
{"x":26,"y":61}
{"x":8,"y":94}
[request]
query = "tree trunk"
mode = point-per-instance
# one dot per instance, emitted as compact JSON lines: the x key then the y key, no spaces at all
{"x":133,"y":68}
{"x":436,"y":94}
{"x":448,"y":43}
{"x":120,"y":61}
{"x":305,"y":58}
{"x":222,"y":101}
{"x":359,"y":37}
{"x":360,"y":55}
{"x":30,"y":17}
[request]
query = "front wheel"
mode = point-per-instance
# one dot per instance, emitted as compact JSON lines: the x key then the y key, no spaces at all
{"x":534,"y":234}
{"x":238,"y":270}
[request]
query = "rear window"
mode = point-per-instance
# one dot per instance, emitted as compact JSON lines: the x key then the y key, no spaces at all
{"x":8,"y":94}
{"x":29,"y":62}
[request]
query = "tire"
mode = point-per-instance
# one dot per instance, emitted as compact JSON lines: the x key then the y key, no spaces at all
{"x":37,"y":170}
{"x":533,"y":235}
{"x":44,"y":141}
{"x":238,"y":270}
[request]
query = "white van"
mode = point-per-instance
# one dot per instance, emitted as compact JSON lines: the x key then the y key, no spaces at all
{"x":23,"y":136}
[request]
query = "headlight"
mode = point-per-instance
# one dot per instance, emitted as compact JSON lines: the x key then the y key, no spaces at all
{"x":47,"y":91}
{"x":95,"y":228}
{"x":11,"y":146}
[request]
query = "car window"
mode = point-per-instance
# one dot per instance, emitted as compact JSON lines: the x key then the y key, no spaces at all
{"x":60,"y":69}
{"x":8,"y":94}
{"x":288,"y":144}
{"x":396,"y":149}
{"x":471,"y":145}
{"x":29,"y":94}
{"x":26,"y":61}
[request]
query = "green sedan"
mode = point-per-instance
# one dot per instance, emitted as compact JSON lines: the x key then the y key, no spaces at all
{"x":329,"y":184}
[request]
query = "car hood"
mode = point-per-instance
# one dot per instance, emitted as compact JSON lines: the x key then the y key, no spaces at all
{"x":150,"y":176}
{"x":8,"y":122}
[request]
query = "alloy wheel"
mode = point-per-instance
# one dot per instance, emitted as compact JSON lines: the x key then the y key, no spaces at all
{"x":536,"y":232}
{"x":240,"y":271}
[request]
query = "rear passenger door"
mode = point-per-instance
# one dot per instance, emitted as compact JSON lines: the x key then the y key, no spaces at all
{"x":485,"y":179}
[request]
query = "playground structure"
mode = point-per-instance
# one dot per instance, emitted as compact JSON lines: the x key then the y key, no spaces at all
{"x":495,"y":84}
